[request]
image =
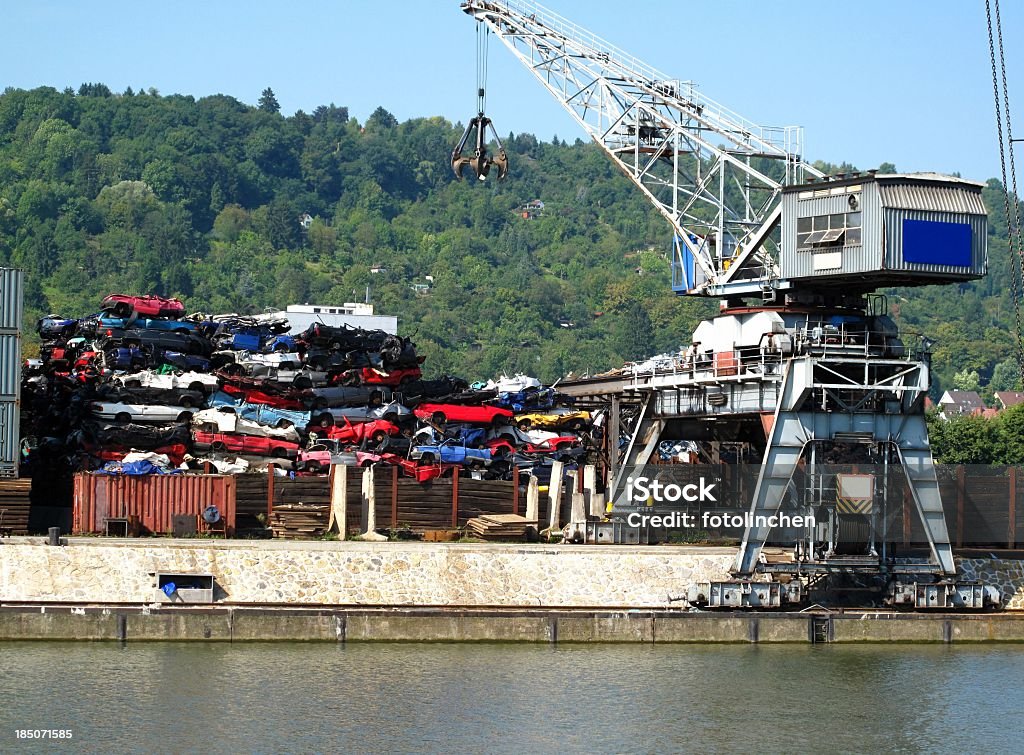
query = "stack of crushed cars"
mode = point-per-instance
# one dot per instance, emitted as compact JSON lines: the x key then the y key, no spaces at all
{"x":240,"y":393}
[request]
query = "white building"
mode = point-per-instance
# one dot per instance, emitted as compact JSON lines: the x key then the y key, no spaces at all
{"x":355,"y":315}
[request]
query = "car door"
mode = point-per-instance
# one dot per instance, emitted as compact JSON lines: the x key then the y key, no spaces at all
{"x":452,"y":453}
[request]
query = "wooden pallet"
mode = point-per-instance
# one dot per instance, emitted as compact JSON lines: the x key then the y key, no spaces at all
{"x":299,"y":521}
{"x":14,"y":503}
{"x":499,"y":526}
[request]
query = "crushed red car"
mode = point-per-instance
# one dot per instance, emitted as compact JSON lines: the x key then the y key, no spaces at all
{"x":245,"y":444}
{"x":551,"y":445}
{"x":355,"y":432}
{"x":441,"y":413}
{"x":254,"y":396}
{"x":147,"y":306}
{"x":175,"y":452}
{"x":419,"y":472}
{"x":370,"y":376}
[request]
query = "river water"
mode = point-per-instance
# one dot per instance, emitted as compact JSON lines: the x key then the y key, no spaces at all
{"x":294,"y":697}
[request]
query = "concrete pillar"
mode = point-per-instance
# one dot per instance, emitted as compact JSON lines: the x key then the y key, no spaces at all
{"x":596,"y":508}
{"x":369,"y":512}
{"x":532,"y":506}
{"x":339,"y":498}
{"x":555,"y":498}
{"x":578,"y":513}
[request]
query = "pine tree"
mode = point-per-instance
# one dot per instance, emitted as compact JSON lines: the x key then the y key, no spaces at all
{"x":268,"y":102}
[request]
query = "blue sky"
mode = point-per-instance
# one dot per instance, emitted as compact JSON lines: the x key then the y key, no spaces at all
{"x":905,"y":81}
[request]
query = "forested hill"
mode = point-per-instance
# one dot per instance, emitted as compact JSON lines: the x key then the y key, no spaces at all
{"x":202,"y":199}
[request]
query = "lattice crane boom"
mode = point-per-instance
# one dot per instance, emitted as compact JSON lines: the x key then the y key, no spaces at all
{"x":715,"y":176}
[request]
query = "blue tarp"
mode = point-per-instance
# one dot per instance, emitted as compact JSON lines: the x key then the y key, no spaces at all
{"x":135,"y":468}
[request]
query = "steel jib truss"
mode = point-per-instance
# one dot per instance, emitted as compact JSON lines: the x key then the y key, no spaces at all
{"x":715,"y":176}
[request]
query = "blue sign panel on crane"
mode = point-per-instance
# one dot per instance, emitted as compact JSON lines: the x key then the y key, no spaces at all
{"x":930,"y":242}
{"x":684,"y":266}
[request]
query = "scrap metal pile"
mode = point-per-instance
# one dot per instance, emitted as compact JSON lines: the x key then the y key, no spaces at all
{"x":141,"y":387}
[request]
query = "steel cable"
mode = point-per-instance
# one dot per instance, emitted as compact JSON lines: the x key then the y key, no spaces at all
{"x":1015,"y":247}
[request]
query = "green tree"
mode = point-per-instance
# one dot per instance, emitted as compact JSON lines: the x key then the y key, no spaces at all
{"x":268,"y":102}
{"x":1006,"y":376}
{"x":967,"y":380}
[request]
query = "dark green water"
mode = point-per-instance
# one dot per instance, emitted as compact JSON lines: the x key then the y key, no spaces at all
{"x":289,"y":697}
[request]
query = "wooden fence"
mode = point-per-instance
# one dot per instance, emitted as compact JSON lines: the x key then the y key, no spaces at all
{"x":983,"y":504}
{"x":444,"y":503}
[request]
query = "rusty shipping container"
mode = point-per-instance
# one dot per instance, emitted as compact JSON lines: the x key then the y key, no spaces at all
{"x":151,"y":499}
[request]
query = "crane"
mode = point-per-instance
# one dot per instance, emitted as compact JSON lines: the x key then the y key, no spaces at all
{"x":813,"y":366}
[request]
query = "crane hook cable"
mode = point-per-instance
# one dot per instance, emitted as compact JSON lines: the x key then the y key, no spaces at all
{"x":482,"y":38}
{"x":1013,"y":226}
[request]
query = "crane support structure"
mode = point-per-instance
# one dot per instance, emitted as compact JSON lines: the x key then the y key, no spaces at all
{"x":812,"y":383}
{"x":715,"y":176}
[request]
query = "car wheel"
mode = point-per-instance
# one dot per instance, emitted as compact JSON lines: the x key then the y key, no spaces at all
{"x":335,"y":346}
{"x":427,"y":458}
{"x":303,"y":382}
{"x":576,"y":425}
{"x":278,"y":452}
{"x":123,"y":417}
{"x":314,"y":466}
{"x":438,"y":418}
{"x":563,"y":446}
{"x":218,"y":445}
{"x":524,"y":424}
{"x":185,"y":417}
{"x":366,"y":463}
{"x":281,"y":348}
{"x":284,"y":424}
{"x":186,"y":401}
{"x":197,"y":387}
{"x":133,"y":383}
{"x":325,"y":420}
{"x":378,"y":436}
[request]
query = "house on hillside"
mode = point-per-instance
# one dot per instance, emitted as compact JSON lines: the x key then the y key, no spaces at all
{"x":958,"y":403}
{"x":532,"y":210}
{"x":1007,"y":399}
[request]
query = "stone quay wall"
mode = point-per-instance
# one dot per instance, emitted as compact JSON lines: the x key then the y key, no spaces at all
{"x":360,"y":574}
{"x":89,"y":570}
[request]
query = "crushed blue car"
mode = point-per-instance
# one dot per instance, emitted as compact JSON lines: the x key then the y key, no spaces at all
{"x":280,"y":343}
{"x":261,"y":413}
{"x":146,"y":323}
{"x":451,"y":452}
{"x":185,"y":362}
{"x":527,"y":399}
{"x":125,"y":358}
{"x":53,"y":326}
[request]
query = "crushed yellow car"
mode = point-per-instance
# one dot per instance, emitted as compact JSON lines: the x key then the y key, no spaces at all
{"x":572,"y":421}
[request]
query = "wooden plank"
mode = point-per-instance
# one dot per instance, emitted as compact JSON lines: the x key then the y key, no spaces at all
{"x":394,"y":497}
{"x":1011,"y":523}
{"x":455,"y":502}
